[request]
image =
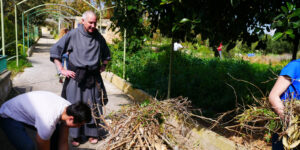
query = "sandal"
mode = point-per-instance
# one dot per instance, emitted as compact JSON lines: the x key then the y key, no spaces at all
{"x":93,"y":140}
{"x":75,"y":142}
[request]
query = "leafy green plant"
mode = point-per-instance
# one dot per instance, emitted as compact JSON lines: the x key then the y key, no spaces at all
{"x":9,"y":33}
{"x":145,"y":103}
{"x":279,"y":46}
{"x":20,"y":48}
{"x":287,"y":25}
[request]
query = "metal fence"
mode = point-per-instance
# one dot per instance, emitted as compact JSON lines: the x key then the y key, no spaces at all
{"x":4,"y":59}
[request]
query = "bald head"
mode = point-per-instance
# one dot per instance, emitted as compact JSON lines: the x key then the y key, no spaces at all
{"x":89,"y":21}
{"x":88,"y":13}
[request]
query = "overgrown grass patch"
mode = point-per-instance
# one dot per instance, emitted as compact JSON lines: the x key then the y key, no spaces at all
{"x":12,"y":65}
{"x":208,"y":83}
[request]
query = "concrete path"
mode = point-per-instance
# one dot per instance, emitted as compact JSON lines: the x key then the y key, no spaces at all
{"x":43,"y":76}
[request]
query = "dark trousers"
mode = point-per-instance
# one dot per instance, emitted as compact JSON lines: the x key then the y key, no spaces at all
{"x":276,"y":143}
{"x":19,"y":138}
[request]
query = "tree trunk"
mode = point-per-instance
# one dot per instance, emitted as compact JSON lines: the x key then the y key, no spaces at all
{"x":170,"y":68}
{"x":296,"y":44}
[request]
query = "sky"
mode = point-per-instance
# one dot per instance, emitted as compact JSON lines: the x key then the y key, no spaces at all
{"x":265,"y":30}
{"x":93,"y":3}
{"x":271,"y":31}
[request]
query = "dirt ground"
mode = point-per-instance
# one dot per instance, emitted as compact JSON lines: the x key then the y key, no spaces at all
{"x":269,"y":59}
{"x":255,"y":143}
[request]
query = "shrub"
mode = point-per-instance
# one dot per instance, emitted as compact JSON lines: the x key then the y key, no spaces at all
{"x":9,"y":31}
{"x":278,"y":47}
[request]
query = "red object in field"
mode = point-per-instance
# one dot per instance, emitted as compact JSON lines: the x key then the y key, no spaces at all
{"x":220,"y":47}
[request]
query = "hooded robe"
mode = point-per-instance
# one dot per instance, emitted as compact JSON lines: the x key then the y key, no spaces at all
{"x":86,"y":51}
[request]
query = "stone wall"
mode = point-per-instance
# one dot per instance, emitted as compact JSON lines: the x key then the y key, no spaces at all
{"x":107,"y":33}
{"x":5,"y":85}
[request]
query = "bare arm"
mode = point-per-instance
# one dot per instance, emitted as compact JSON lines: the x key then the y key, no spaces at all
{"x":42,"y":144}
{"x":62,"y":70}
{"x":282,"y":83}
{"x":63,"y":138}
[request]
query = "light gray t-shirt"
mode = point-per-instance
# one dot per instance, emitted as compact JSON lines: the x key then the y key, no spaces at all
{"x":40,"y":109}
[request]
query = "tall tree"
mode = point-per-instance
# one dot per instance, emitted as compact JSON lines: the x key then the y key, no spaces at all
{"x":108,"y":8}
{"x":220,"y":21}
{"x":287,"y":25}
{"x":80,"y":6}
{"x":128,"y":15}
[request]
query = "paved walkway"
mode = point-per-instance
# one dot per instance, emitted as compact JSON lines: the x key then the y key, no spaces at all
{"x":43,"y":76}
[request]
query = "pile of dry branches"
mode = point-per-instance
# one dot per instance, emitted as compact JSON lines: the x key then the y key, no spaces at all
{"x":150,"y":125}
{"x":291,"y":125}
{"x":261,"y":118}
{"x":256,"y":119}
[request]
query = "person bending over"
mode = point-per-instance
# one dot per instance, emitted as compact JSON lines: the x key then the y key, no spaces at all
{"x":46,"y":112}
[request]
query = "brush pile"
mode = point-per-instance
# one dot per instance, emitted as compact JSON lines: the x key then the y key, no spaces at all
{"x":151,"y":125}
{"x":262,"y":119}
{"x":256,"y":119}
{"x":291,"y":127}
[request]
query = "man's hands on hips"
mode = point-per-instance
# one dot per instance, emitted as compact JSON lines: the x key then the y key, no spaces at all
{"x":102,"y":68}
{"x":68,"y":73}
{"x":63,"y":71}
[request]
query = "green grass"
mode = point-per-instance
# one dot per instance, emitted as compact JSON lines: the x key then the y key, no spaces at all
{"x":23,"y":63}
